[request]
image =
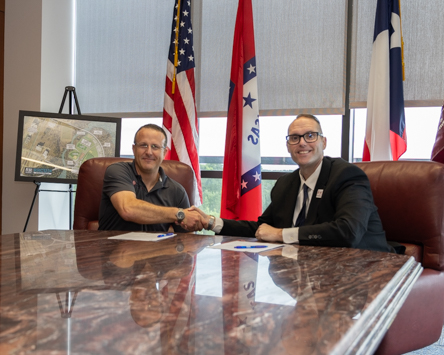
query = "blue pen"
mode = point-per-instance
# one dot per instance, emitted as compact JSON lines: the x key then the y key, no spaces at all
{"x":165,"y":235}
{"x":249,"y":247}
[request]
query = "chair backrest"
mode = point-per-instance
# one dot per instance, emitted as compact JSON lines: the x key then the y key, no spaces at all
{"x":410,"y":200}
{"x":90,"y":183}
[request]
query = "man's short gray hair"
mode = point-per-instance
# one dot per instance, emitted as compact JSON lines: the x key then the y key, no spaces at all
{"x":154,"y":127}
{"x":307,"y":115}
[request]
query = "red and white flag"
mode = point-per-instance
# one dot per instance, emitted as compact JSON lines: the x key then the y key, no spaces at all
{"x":385,"y":135}
{"x":241,"y":178}
{"x":179,"y":112}
{"x":438,"y":148}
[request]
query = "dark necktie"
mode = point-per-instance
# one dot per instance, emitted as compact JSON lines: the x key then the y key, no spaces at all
{"x":301,"y":218}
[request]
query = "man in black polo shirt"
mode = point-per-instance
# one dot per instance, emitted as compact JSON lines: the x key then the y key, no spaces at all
{"x":138,"y":196}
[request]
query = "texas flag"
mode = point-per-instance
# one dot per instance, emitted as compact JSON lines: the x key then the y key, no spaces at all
{"x":241,"y":178}
{"x":385,"y":136}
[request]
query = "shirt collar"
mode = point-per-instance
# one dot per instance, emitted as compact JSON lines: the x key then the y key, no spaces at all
{"x":162,"y":178}
{"x":313,"y":179}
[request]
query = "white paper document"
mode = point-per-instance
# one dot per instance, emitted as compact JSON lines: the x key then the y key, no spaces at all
{"x":146,"y":237}
{"x":247,"y":247}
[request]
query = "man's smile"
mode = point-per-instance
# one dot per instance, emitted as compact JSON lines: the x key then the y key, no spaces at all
{"x":148,"y":159}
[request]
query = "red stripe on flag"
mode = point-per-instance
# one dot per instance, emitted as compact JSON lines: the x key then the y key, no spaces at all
{"x":251,"y":199}
{"x":232,"y":160}
{"x":186,"y":129}
{"x":167,"y":119}
{"x":398,"y":145}
{"x":366,"y":154}
{"x":187,"y":132}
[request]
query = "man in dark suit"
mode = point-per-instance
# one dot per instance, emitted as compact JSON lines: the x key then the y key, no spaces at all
{"x":326,"y":202}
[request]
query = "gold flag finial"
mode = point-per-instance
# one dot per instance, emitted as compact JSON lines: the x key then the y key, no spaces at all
{"x":402,"y":44}
{"x":176,"y":46}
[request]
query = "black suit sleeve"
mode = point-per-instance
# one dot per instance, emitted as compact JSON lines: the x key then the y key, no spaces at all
{"x":239,"y":228}
{"x":248,"y":228}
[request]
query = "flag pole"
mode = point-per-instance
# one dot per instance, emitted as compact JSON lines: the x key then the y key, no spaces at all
{"x":402,"y":43}
{"x":176,"y":46}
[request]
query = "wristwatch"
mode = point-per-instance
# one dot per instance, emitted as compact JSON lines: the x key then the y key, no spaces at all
{"x":211,"y":221}
{"x":180,"y":215}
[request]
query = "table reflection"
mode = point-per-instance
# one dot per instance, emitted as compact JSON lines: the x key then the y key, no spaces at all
{"x":177,"y":296}
{"x":319,"y":300}
{"x":160,"y":276}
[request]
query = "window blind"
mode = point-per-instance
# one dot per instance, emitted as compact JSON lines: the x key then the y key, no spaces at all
{"x":423,"y":32}
{"x":121,"y":54}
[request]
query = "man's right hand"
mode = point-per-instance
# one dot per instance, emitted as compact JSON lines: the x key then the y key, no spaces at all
{"x":193,"y":220}
{"x":203,"y":219}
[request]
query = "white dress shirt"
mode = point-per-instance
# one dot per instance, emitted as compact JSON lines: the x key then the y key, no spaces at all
{"x":290,"y":235}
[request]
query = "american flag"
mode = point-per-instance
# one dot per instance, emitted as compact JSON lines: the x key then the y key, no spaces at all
{"x":385,"y":136}
{"x":179,"y":112}
{"x":241,"y":177}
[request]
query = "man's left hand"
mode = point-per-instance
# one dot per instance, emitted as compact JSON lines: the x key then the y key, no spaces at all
{"x":268,"y":233}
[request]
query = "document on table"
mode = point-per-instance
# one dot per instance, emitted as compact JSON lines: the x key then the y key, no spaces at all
{"x":141,"y":236}
{"x":249,"y":247}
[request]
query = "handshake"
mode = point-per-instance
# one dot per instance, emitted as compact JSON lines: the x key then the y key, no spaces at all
{"x":196,"y":220}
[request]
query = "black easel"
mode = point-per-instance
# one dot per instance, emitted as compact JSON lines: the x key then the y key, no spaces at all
{"x":72,"y":93}
{"x":71,"y":90}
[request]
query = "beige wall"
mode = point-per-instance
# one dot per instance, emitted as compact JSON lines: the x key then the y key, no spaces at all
{"x":57,"y":73}
{"x":23,"y":29}
{"x":38,"y":67}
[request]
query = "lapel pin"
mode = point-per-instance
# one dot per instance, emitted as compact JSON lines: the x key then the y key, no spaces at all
{"x":319,"y":193}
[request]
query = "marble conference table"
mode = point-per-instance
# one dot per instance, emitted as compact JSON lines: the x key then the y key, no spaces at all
{"x":78,"y":292}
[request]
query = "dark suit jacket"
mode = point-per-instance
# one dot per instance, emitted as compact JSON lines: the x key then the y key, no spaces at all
{"x":344,"y":216}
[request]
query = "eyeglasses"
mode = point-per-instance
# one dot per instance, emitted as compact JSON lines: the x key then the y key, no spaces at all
{"x":309,"y":137}
{"x":144,"y":146}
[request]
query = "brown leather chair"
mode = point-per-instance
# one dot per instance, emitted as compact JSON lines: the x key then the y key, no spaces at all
{"x":90,"y":183}
{"x":410,"y":200}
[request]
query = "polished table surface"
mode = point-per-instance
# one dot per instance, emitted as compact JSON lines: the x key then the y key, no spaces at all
{"x":78,"y":292}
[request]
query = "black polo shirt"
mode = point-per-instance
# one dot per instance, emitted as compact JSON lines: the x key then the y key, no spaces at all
{"x":123,"y":177}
